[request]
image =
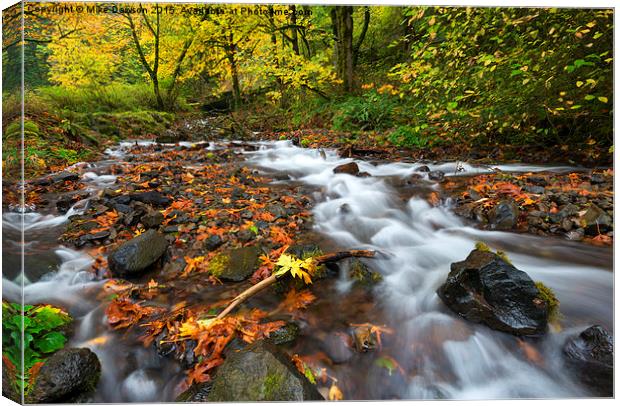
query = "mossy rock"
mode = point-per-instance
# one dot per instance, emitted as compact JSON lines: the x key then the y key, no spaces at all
{"x":553,"y":304}
{"x":235,"y":265}
{"x":260,"y":372}
{"x":363,"y":275}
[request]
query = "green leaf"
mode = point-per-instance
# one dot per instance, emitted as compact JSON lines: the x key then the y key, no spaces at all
{"x":50,"y":342}
{"x":589,"y":97}
{"x":386,"y":363}
{"x":603,"y":99}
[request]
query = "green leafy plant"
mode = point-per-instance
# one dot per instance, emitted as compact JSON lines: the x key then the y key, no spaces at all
{"x":419,"y":136}
{"x":34,"y":331}
{"x":371,"y":111}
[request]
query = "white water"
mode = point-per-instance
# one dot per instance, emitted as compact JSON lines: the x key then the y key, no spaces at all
{"x":459,"y":359}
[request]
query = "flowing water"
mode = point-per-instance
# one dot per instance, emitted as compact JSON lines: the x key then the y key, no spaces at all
{"x":438,"y":354}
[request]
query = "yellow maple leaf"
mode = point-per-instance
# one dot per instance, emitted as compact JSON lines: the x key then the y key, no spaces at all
{"x":298,"y":268}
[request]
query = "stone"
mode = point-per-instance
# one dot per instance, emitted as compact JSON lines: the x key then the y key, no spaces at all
{"x":590,"y":355}
{"x":351,"y":168}
{"x":213,"y":242}
{"x":153,"y":198}
{"x":260,"y":372}
{"x":285,"y":334}
{"x":596,"y":221}
{"x":69,"y":373}
{"x":484,"y":288}
{"x":236,"y":265}
{"x":152,"y":219}
{"x":56,"y":178}
{"x":137,"y":255}
{"x":423,"y":168}
{"x":504,"y":215}
{"x":437,"y":176}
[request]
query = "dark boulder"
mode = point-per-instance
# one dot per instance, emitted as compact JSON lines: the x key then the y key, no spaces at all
{"x":486,"y":289}
{"x":260,"y":372}
{"x":504,"y":215}
{"x":135,"y":256}
{"x":351,"y":168}
{"x":591,"y":356}
{"x":437,"y":176}
{"x":68,"y":374}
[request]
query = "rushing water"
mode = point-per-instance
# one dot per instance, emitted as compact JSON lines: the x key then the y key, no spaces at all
{"x":441,"y":355}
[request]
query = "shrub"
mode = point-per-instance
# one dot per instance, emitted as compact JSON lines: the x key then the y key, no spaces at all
{"x":371,"y":111}
{"x":42,"y":336}
{"x":419,"y":136}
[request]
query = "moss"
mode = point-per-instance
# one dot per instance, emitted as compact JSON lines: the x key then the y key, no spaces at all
{"x":548,"y":296}
{"x":480,"y":246}
{"x":271,"y":386}
{"x":503,"y":256}
{"x":217,"y":264}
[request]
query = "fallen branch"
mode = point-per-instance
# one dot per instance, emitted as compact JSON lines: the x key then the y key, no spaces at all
{"x":323,"y":259}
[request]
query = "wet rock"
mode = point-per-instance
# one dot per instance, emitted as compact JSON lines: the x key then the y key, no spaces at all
{"x":245,"y":235}
{"x":137,"y":255}
{"x":56,"y":178}
{"x":590,"y":355}
{"x":363,"y":175}
{"x":171,"y":229}
{"x":277,"y":210}
{"x":597,"y":179}
{"x":364,"y":339}
{"x":351,"y":168}
{"x":153,"y":198}
{"x":238,"y":264}
{"x":152,"y":219}
{"x":538,"y":180}
{"x":123,"y":208}
{"x":422,"y":168}
{"x":69,"y":373}
{"x":213,"y":242}
{"x":437,"y":176}
{"x":504,"y":215}
{"x":260,"y":372}
{"x":363,"y":275}
{"x":537,"y":190}
{"x":486,"y":289}
{"x":285,"y":334}
{"x":596,"y":221}
{"x":575,"y":235}
{"x":87,"y":238}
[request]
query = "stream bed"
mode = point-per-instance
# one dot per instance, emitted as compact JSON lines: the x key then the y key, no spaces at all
{"x":430,"y":352}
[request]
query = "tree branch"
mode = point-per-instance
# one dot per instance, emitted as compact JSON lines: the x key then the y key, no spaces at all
{"x":332,"y":257}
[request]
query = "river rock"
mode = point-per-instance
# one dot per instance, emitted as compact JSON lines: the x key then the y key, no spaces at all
{"x":260,"y":372}
{"x":486,"y":289}
{"x":437,"y":176}
{"x":153,"y":198}
{"x":69,"y":373}
{"x":504,"y":215}
{"x":135,"y":256}
{"x":238,"y":264}
{"x":152,"y":219}
{"x":285,"y":334}
{"x":56,"y":178}
{"x":591,"y":356}
{"x":213,"y":242}
{"x":596,"y":220}
{"x":351,"y":168}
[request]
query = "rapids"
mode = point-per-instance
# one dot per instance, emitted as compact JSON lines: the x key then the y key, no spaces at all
{"x":441,"y":355}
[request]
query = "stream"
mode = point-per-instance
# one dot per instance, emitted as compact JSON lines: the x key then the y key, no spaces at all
{"x":439,"y":354}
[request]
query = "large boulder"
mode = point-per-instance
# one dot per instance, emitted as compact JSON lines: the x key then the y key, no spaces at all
{"x":260,"y":372}
{"x":504,"y":215}
{"x":68,"y":374}
{"x":591,"y":356}
{"x":485,"y":288}
{"x":137,"y":255}
{"x":235,"y":265}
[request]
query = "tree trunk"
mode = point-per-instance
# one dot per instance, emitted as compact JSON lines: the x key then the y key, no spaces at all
{"x":234,"y":72}
{"x":342,"y":25}
{"x":360,"y":40}
{"x":294,"y":37}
